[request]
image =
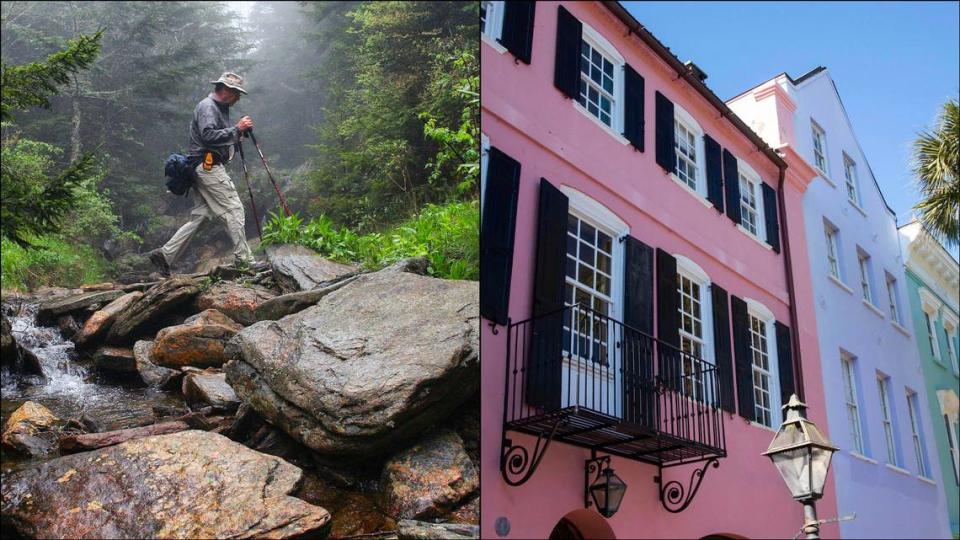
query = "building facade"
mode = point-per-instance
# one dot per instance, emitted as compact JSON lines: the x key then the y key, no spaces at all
{"x":639,"y":310}
{"x":933,"y":282}
{"x":886,"y":470}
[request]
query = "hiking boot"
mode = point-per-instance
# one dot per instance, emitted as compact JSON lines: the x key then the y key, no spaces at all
{"x":160,"y":261}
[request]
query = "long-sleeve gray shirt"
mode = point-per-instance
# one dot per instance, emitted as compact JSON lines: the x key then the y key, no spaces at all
{"x":211,"y":129}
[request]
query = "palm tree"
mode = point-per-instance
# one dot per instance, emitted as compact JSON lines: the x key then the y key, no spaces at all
{"x":935,"y":164}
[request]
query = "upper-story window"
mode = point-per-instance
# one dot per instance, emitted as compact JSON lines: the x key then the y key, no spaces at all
{"x":766,"y":383}
{"x":950,"y":329}
{"x":491,"y":18}
{"x":850,"y":175}
{"x":864,"y":262}
{"x":892,"y":298}
{"x":853,"y":407}
{"x":819,"y":147}
{"x":694,"y":306}
{"x":915,"y":429}
{"x":932,"y":335}
{"x":749,"y":209}
{"x":887,"y":418}
{"x":830,"y":234}
{"x":601,"y":80}
{"x":688,"y":145}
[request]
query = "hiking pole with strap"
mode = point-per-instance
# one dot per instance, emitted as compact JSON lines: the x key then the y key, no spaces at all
{"x":246,"y":178}
{"x":269,"y":174}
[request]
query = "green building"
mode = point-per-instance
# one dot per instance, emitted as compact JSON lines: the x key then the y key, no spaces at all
{"x":933,"y":286}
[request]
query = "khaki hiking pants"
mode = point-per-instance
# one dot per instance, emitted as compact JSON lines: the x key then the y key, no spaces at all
{"x":216,"y":197}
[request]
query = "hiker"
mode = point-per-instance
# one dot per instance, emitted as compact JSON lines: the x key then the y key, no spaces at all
{"x":212,"y":141}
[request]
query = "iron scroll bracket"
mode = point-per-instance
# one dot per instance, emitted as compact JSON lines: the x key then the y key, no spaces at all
{"x":674,"y":497}
{"x":594,"y":467}
{"x":516,"y":463}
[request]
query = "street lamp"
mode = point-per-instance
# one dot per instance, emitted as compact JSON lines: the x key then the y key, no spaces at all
{"x":607,"y":490}
{"x":802,"y":457}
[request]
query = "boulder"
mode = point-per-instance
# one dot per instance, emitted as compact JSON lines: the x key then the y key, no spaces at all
{"x":99,"y":323}
{"x":208,"y":388}
{"x":115,"y":361}
{"x":191,"y":484}
{"x":51,"y":309}
{"x":430,"y":478}
{"x":234,"y":300}
{"x":25,"y":428}
{"x":409,"y":529}
{"x":468,"y":513}
{"x":363,"y":372}
{"x":198,"y":342}
{"x":68,"y":326}
{"x":150,"y":373}
{"x":299,"y":268}
{"x":146,"y":314}
{"x":288,"y":304}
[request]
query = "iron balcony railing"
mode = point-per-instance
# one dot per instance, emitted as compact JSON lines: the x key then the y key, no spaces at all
{"x":592,"y":381}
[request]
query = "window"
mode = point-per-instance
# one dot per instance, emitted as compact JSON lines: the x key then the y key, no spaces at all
{"x":749,"y":215}
{"x":915,"y":428}
{"x":950,"y":330}
{"x":596,"y":83}
{"x":686,"y":143}
{"x":589,"y":279}
{"x":491,"y":18}
{"x":883,"y":389}
{"x":850,"y":174}
{"x":892,"y":298}
{"x":864,"y":261}
{"x":850,"y":396}
{"x":932,"y":335}
{"x":954,"y":452}
{"x":819,"y":148}
{"x":831,"y":236}
{"x":693,"y":287}
{"x":761,"y":371}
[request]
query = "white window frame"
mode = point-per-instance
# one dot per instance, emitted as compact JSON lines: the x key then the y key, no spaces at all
{"x":758,"y":311}
{"x":685,"y":120}
{"x":883,"y":388}
{"x":833,"y":250}
{"x":605,"y":48}
{"x":484,"y":158}
{"x":694,"y":273}
{"x":493,"y":27}
{"x":819,"y":136}
{"x":849,"y":377}
{"x":850,"y":180}
{"x":866,"y":285}
{"x":950,"y":329}
{"x":894,"y":305}
{"x":953,"y":446}
{"x":930,"y":305}
{"x":915,"y":429}
{"x":748,"y":174}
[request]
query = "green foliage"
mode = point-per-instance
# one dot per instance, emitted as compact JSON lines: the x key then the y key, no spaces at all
{"x":447,"y":235}
{"x":31,"y":85}
{"x":936,"y":156}
{"x":50,"y":261}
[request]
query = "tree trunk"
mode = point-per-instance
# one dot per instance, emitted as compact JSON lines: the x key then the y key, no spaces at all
{"x":75,"y":133}
{"x":92,"y":441}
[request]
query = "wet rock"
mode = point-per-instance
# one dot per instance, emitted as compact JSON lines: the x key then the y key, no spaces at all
{"x":147,"y":313}
{"x":51,"y":309}
{"x":99,"y":323}
{"x":106,"y":286}
{"x":210,"y":389}
{"x":192,"y":484}
{"x":17,"y":358}
{"x":234,"y":300}
{"x":68,"y":326}
{"x":8,"y":346}
{"x":115,"y":361}
{"x":299,"y":268}
{"x":353,"y":513}
{"x":26,"y":428}
{"x":150,"y":373}
{"x":468,"y":513}
{"x":409,"y":529}
{"x":466,"y":422}
{"x":198,"y":342}
{"x":361,"y":373}
{"x":287,"y":304}
{"x":430,"y":478}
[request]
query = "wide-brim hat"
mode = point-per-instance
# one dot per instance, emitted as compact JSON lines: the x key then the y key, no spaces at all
{"x":230,"y":80}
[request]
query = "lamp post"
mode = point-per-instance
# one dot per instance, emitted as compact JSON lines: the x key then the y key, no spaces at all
{"x":802,"y":456}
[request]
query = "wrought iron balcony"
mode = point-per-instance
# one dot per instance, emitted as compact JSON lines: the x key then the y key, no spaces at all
{"x":580,"y":377}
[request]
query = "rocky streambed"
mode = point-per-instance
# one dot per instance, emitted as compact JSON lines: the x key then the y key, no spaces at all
{"x":306,"y":400}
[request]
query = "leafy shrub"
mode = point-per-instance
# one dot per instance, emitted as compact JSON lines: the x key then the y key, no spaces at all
{"x":52,"y":261}
{"x":447,"y":235}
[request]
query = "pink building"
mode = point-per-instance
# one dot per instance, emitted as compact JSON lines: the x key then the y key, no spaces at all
{"x":638,"y":304}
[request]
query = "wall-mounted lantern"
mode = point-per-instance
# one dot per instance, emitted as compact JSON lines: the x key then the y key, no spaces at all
{"x":606,"y":491}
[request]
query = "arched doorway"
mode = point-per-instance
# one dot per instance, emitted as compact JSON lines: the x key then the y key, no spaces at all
{"x":582,"y":524}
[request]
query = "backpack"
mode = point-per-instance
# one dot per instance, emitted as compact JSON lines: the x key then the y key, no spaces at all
{"x":180,"y":174}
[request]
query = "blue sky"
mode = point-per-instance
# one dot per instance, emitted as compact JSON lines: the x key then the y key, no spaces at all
{"x":894,"y":63}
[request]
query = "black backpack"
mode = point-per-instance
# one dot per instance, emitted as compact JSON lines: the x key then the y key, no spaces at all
{"x":180,"y":172}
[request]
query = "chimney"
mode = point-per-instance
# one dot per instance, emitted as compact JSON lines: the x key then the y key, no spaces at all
{"x":695,"y":69}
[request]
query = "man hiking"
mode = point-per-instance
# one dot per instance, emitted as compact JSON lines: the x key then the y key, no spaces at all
{"x":212,"y":141}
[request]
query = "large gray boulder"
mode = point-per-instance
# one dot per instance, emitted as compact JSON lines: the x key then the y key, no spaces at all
{"x":192,"y":484}
{"x":368,"y":368}
{"x":299,"y":268}
{"x":147,"y":313}
{"x":99,"y":323}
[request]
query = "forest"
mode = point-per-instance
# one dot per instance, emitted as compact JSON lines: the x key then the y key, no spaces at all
{"x":367,"y":113}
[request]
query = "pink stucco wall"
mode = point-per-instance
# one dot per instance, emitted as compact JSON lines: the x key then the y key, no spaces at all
{"x":526,"y":117}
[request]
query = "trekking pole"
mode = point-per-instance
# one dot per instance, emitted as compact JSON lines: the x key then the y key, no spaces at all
{"x":246,"y":178}
{"x":269,"y":174}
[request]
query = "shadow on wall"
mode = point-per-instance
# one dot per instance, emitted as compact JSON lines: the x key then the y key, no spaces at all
{"x":585,"y":524}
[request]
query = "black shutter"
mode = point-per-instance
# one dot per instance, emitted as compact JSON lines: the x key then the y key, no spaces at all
{"x":543,"y":362}
{"x":666,"y":153}
{"x":566,"y":68}
{"x":721,"y":340}
{"x":743,"y":360}
{"x":668,"y":320}
{"x":714,"y":172}
{"x":785,"y":362}
{"x":518,"y":28}
{"x":770,"y":216}
{"x":633,"y":108}
{"x":496,"y":235}
{"x":731,"y":183}
{"x":637,"y":346}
